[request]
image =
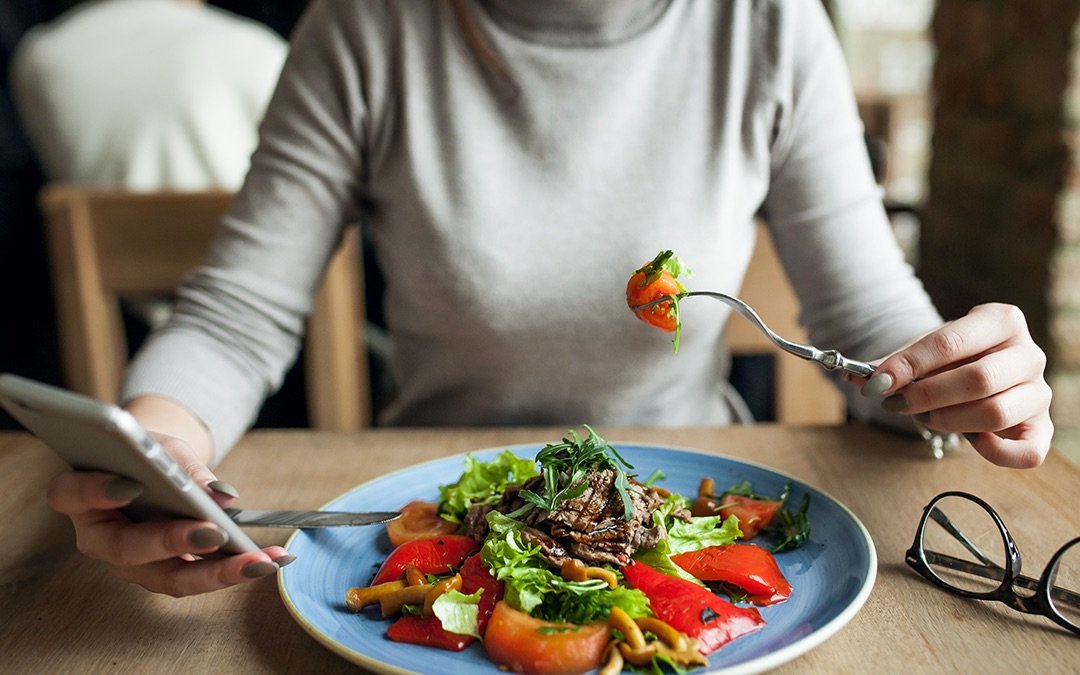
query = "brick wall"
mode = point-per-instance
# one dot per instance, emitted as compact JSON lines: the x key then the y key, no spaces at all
{"x":1003,"y":213}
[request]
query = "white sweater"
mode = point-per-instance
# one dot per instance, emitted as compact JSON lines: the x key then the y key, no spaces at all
{"x":146,"y":94}
{"x":508,"y":229}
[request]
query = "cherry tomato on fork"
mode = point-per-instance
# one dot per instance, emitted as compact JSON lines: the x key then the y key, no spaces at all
{"x":654,"y":280}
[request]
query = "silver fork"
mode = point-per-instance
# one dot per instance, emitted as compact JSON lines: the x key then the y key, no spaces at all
{"x":829,"y":359}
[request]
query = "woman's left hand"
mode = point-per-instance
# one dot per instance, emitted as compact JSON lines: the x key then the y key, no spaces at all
{"x":981,"y":375}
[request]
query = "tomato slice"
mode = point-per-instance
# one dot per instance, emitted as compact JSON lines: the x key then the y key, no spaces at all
{"x":418,"y":520}
{"x":516,"y":641}
{"x":747,"y":566}
{"x":754,"y":514}
{"x":435,"y":555}
{"x":427,"y":631}
{"x":694,"y":610}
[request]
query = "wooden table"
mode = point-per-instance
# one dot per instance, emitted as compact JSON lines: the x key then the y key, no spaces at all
{"x":61,"y":613}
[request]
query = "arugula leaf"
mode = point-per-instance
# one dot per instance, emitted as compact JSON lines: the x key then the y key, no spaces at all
{"x":673,"y":265}
{"x":666,"y":261}
{"x":566,"y":467}
{"x":483,"y":483}
{"x":790,"y":529}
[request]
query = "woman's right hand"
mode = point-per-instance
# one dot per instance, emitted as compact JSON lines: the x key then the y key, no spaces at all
{"x":159,"y":556}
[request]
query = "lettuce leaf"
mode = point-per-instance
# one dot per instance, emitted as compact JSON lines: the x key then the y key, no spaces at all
{"x":533,"y":587}
{"x":483,"y":483}
{"x":458,"y":612}
{"x":701,"y":532}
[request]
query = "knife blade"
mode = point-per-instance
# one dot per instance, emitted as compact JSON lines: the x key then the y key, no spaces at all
{"x":303,"y":519}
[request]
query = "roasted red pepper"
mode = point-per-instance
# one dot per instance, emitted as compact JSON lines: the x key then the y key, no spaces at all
{"x":694,"y":610}
{"x":427,"y":631}
{"x":476,"y":575}
{"x":431,"y":556}
{"x":749,"y":567}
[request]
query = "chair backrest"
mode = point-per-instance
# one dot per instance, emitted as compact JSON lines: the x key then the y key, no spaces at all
{"x":109,"y":244}
{"x":804,"y":396}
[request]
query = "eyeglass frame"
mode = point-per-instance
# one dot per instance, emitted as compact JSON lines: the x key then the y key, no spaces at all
{"x":1040,"y":603}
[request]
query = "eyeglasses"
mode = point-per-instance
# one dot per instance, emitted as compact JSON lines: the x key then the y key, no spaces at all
{"x":963,"y":546}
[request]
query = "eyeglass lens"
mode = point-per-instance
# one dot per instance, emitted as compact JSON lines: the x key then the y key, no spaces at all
{"x":1066,"y":577}
{"x":964,"y":546}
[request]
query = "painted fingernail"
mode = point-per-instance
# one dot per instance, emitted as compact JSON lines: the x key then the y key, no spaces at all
{"x":206,"y":537}
{"x":971,"y":437}
{"x":894,"y":403}
{"x":877,"y":385}
{"x":123,"y":489}
{"x":259,"y":569}
{"x":224,"y":488}
{"x":284,"y":560}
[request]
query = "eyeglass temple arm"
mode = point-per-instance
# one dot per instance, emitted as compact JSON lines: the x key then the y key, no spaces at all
{"x":941,"y":519}
{"x":991,"y":571}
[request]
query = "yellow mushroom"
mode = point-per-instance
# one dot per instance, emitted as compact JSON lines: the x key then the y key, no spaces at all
{"x":450,"y":583}
{"x":613,"y":660}
{"x":632,"y":635}
{"x":413,"y":576}
{"x":663,"y":630}
{"x":690,"y":656}
{"x":391,"y":604}
{"x":361,"y":596}
{"x":638,"y":657}
{"x":573,"y":569}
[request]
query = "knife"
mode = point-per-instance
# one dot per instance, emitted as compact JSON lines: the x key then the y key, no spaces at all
{"x":262,"y":518}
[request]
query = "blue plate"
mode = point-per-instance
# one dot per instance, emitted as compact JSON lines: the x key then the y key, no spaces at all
{"x":831,"y":575}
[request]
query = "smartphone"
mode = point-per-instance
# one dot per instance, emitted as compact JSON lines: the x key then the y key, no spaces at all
{"x":94,"y":436}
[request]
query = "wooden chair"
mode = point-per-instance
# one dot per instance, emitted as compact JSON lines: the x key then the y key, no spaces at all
{"x":108,"y":244}
{"x":804,"y":396}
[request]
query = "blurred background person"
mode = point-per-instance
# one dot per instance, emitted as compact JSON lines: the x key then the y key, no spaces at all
{"x":146,"y":94}
{"x":137,"y":94}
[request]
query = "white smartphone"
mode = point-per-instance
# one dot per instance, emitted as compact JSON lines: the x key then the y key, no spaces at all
{"x":94,"y":436}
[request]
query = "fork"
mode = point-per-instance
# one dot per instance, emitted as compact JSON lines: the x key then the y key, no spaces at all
{"x":829,"y":359}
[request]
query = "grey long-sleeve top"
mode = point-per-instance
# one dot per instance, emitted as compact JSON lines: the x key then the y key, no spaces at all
{"x":508,"y":228}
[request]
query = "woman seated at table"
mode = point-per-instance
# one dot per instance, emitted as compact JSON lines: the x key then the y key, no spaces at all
{"x":513,"y":162}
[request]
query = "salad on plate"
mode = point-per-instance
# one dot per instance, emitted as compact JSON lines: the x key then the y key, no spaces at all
{"x":571,"y":562}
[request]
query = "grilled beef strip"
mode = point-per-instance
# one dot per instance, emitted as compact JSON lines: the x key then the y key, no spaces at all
{"x":591,"y":527}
